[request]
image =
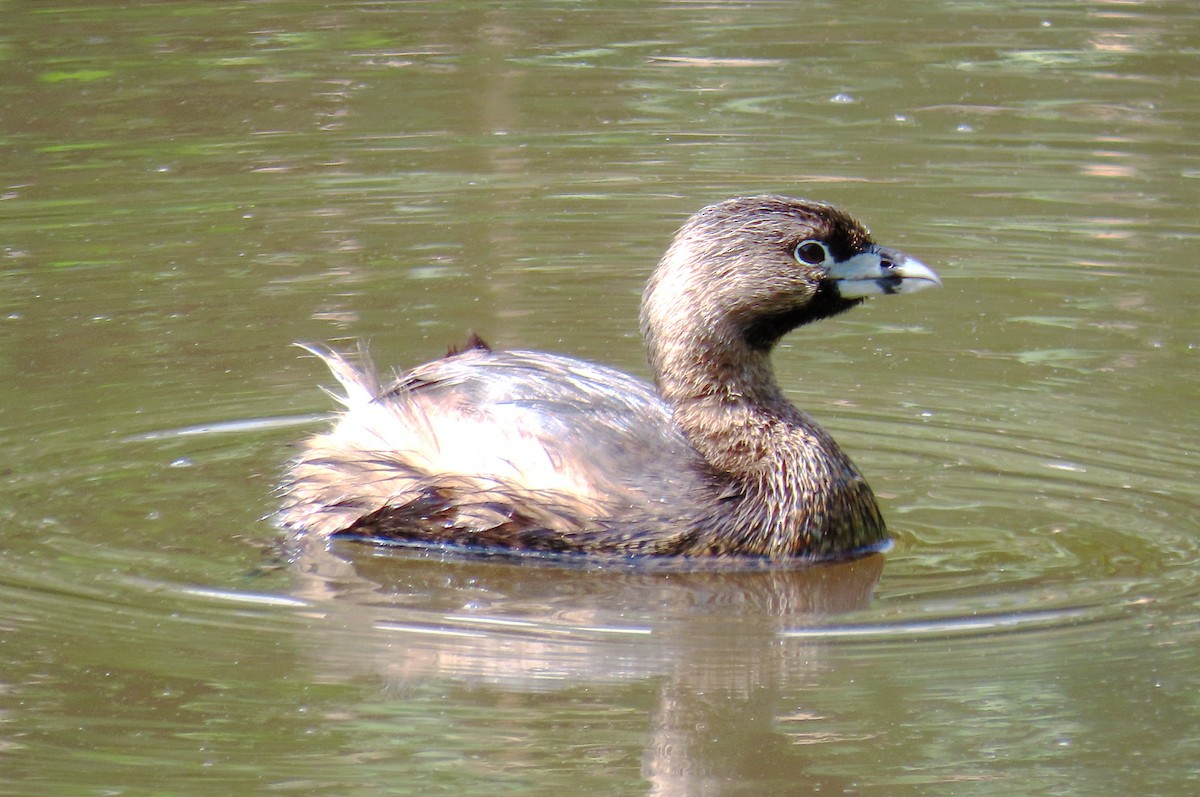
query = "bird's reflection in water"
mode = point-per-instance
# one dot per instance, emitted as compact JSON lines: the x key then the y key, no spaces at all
{"x":708,"y":641}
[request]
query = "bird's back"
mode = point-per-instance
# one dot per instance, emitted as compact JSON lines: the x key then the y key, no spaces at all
{"x":508,"y":449}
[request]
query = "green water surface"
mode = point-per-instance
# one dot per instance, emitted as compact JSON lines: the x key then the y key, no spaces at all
{"x":188,"y":188}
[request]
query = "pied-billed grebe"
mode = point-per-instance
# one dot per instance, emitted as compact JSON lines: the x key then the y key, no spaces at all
{"x":532,"y":451}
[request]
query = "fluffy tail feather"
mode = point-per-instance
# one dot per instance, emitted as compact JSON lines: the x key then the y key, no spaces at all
{"x":360,"y":383}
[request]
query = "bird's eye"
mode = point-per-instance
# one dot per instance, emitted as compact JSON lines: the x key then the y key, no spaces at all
{"x":811,"y":252}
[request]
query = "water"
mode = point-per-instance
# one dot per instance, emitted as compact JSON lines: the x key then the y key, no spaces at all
{"x":186,"y":189}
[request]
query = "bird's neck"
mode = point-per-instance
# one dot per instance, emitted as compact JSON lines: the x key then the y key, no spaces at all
{"x":795,"y":488}
{"x":726,"y":400}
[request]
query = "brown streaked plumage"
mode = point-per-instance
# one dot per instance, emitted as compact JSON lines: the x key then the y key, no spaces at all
{"x":533,"y":451}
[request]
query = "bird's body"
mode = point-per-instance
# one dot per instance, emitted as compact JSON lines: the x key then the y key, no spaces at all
{"x":533,"y":451}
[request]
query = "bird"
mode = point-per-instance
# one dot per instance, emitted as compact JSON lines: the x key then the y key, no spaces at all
{"x":522,"y":451}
